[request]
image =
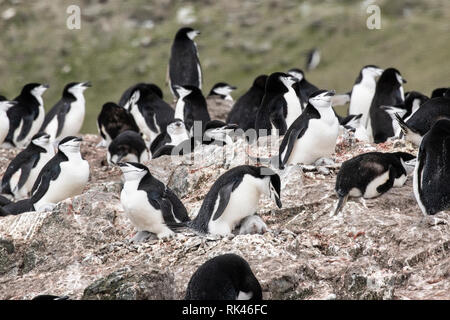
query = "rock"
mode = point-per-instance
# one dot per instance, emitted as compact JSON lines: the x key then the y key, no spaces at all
{"x":132,"y":284}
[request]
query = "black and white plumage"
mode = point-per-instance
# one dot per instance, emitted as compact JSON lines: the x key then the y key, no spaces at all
{"x":27,"y":115}
{"x":245,"y":108}
{"x":280,"y":105}
{"x":313,"y":135}
{"x":424,"y":118}
{"x":191,"y":106}
{"x":220,"y":101}
{"x":371,"y":174}
{"x":175,"y":134}
{"x":184,"y":65}
{"x":63,"y":176}
{"x":222,"y":90}
{"x":235,"y":196}
{"x":113,"y":120}
{"x":149,"y":204}
{"x":150,"y":112}
{"x":66,"y":117}
{"x":225,"y":277}
{"x":353,"y":122}
{"x":4,"y":120}
{"x":440,"y":92}
{"x":389,"y":92}
{"x":23,"y":170}
{"x":312,"y":59}
{"x":303,"y":87}
{"x":363,"y":91}
{"x":432,"y":171}
{"x":129,"y":92}
{"x":127,"y":146}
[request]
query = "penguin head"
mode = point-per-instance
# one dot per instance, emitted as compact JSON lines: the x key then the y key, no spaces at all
{"x":6,"y":105}
{"x":35,"y":89}
{"x":371,"y":71}
{"x":321,"y":99}
{"x":260,"y":81}
{"x":392,"y":77}
{"x":297,"y":74}
{"x":70,"y":145}
{"x":183,"y":91}
{"x":41,"y":139}
{"x":176,"y":127}
{"x":414,"y":99}
{"x":133,"y":171}
{"x":223,"y":90}
{"x":272,"y":185}
{"x":186,"y":33}
{"x":279,"y":82}
{"x":76,"y":88}
{"x":407,"y":160}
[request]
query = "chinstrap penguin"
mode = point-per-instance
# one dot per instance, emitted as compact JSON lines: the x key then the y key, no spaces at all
{"x":127,"y":146}
{"x":225,"y":277}
{"x":220,"y":101}
{"x":4,"y":120}
{"x":312,"y":59}
{"x":303,"y":87}
{"x":129,"y":92}
{"x":175,"y":134}
{"x":191,"y":106}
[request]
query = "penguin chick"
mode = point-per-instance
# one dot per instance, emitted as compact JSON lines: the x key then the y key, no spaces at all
{"x":148,"y":203}
{"x":370,"y":174}
{"x":225,"y":277}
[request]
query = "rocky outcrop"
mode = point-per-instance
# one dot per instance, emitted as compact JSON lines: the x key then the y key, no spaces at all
{"x":375,"y":249}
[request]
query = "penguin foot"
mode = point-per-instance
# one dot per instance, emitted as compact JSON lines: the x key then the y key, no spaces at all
{"x":141,"y":236}
{"x":252,"y":225}
{"x":165,"y":235}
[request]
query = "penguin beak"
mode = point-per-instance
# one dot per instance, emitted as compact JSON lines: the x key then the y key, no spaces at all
{"x":46,"y":86}
{"x":86,"y":84}
{"x":404,"y":80}
{"x":330,"y":93}
{"x":232,"y":87}
{"x":78,"y":139}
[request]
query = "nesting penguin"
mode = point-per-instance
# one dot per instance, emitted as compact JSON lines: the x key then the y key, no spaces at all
{"x":432,"y":171}
{"x":150,"y":112}
{"x":191,"y":106}
{"x":184,"y":65}
{"x":113,"y":120}
{"x":371,"y":174}
{"x":245,"y":108}
{"x":220,"y":101}
{"x":67,"y":115}
{"x":27,"y":115}
{"x":423,"y":119}
{"x":234,"y":196}
{"x":313,"y":135}
{"x":149,"y":204}
{"x":175,"y":134}
{"x":127,"y":146}
{"x":363,"y":91}
{"x":63,"y":176}
{"x":388,"y":92}
{"x":225,"y":277}
{"x":23,"y":170}
{"x":4,"y":121}
{"x":280,"y":105}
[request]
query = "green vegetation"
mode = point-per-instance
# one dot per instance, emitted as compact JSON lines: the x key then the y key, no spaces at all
{"x":240,"y":39}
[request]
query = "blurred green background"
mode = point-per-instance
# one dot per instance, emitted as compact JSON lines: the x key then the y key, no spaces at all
{"x":124,"y":42}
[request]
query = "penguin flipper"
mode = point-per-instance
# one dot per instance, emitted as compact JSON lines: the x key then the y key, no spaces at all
{"x":288,"y":142}
{"x":26,"y":127}
{"x":26,"y":169}
{"x":389,"y":183}
{"x":178,"y":209}
{"x":224,"y":196}
{"x":48,"y":173}
{"x":63,"y":110}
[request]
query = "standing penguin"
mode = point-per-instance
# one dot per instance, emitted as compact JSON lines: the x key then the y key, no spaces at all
{"x":225,"y":277}
{"x":184,"y":65}
{"x":23,"y":170}
{"x":27,"y":115}
{"x":127,"y":146}
{"x":432,"y":171}
{"x":175,"y":134}
{"x":313,"y":135}
{"x":389,"y":92}
{"x":62,"y":177}
{"x":371,"y":174}
{"x":4,"y":120}
{"x":150,"y":112}
{"x":235,"y":196}
{"x":191,"y":106}
{"x":424,"y":118}
{"x":67,"y":115}
{"x":220,"y":101}
{"x":280,"y":105}
{"x":303,"y":87}
{"x":113,"y":120}
{"x":148,"y":203}
{"x":363,"y":91}
{"x":245,"y":108}
{"x":312,"y":59}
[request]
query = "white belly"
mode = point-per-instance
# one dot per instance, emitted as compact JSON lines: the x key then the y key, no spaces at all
{"x":318,"y":141}
{"x":243,"y":203}
{"x":293,"y":104}
{"x":371,"y":190}
{"x":52,"y":128}
{"x":179,"y":109}
{"x":74,"y":120}
{"x":141,"y":214}
{"x":71,"y":181}
{"x":140,"y":121}
{"x":360,"y":102}
{"x":4,"y":126}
